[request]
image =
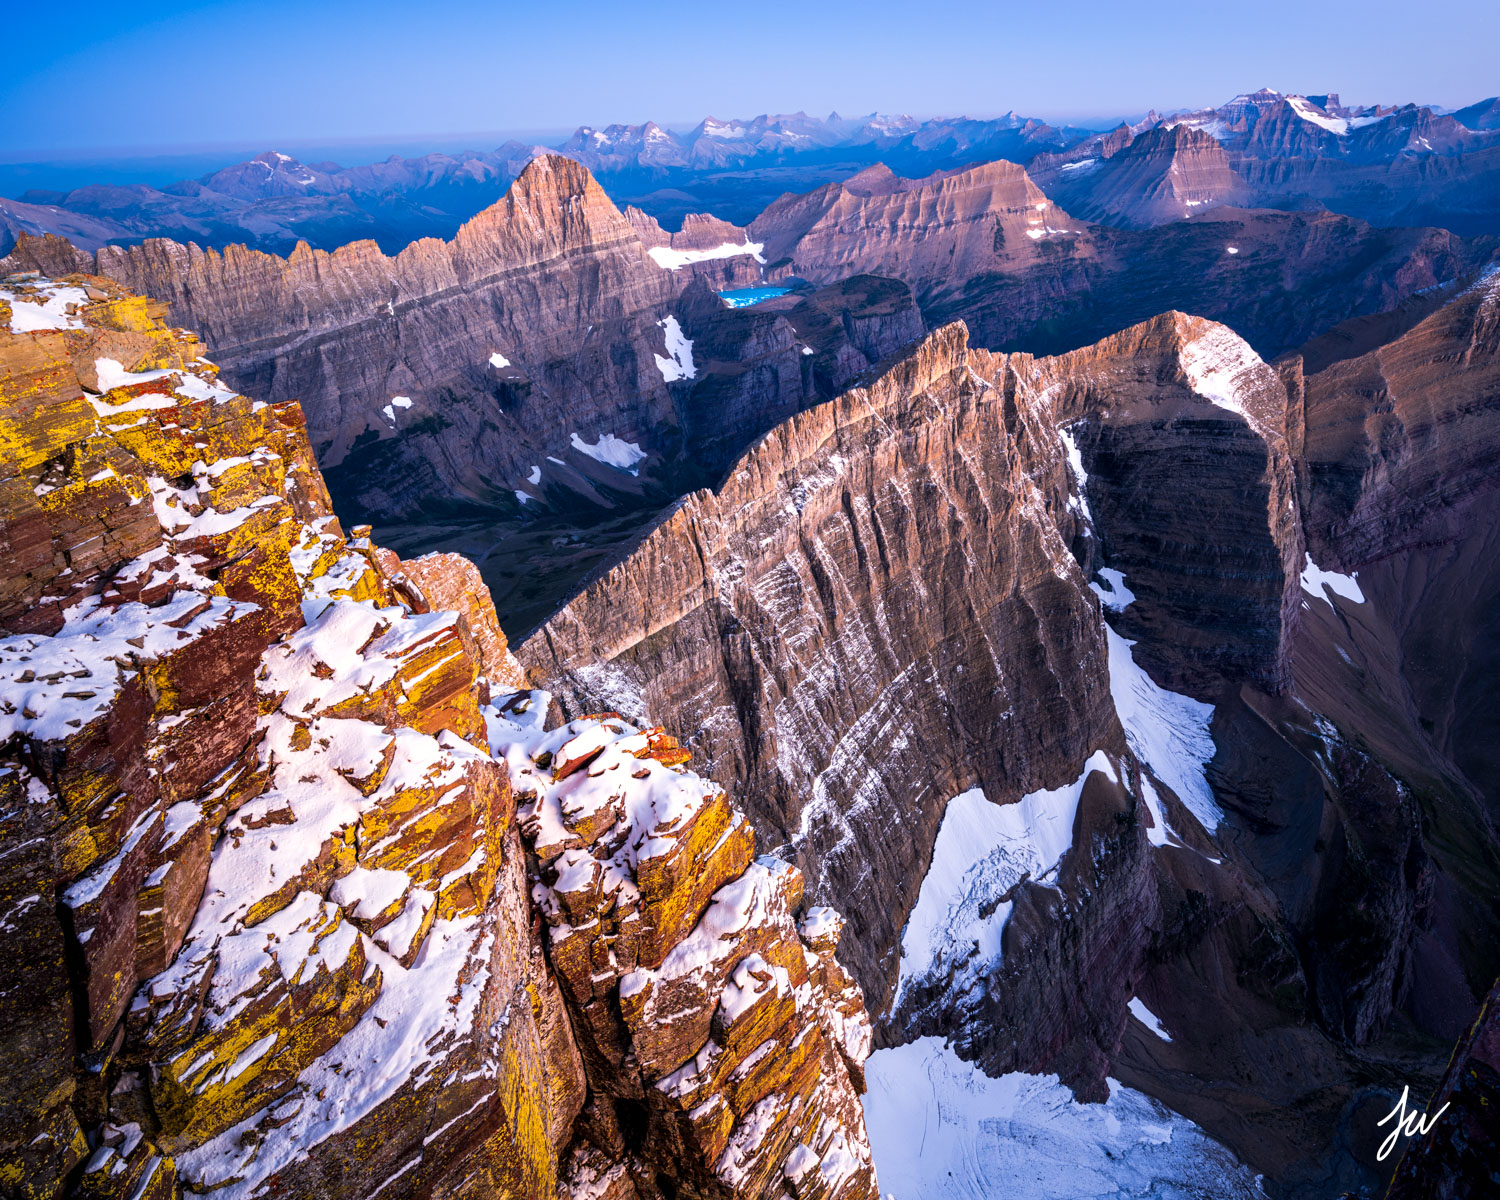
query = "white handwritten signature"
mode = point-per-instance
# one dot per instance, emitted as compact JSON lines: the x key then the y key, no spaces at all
{"x":1407,"y":1125}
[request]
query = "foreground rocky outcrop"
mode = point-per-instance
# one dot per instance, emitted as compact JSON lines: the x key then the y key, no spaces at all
{"x":306,"y":895}
{"x":1111,"y":590}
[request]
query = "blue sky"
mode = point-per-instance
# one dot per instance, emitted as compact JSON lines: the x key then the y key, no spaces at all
{"x":169,"y":73}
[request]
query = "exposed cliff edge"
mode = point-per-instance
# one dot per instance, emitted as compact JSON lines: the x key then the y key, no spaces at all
{"x":304,"y":893}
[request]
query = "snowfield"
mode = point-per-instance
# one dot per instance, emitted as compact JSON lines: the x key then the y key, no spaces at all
{"x":943,"y":1130}
{"x":1166,"y":730}
{"x":678,"y":364}
{"x":982,"y":851}
{"x":940,"y":1128}
{"x":675,"y":260}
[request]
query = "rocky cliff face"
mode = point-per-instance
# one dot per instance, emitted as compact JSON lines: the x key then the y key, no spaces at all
{"x":934,"y":233}
{"x":304,"y":896}
{"x":473,"y":359}
{"x":986,"y":246}
{"x":852,"y":594}
{"x":1192,"y":495}
{"x":546,"y":368}
{"x":351,"y":329}
{"x":896,"y":598}
{"x":1398,"y":489}
{"x":1166,"y":174}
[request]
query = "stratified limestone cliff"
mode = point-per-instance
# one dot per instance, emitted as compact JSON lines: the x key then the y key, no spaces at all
{"x":1166,"y":174}
{"x":880,"y":608}
{"x":468,"y":361}
{"x":852,"y":621}
{"x":1082,"y":585}
{"x":271,"y":923}
{"x":1192,"y":494}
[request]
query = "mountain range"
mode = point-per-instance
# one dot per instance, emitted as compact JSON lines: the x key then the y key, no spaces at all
{"x":1404,"y":164}
{"x":941,"y":676}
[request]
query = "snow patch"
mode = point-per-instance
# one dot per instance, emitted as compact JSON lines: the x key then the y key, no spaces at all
{"x":111,"y":375}
{"x":1112,"y":592}
{"x":612,"y":452}
{"x":1166,"y":730}
{"x":943,"y":1130}
{"x":1079,"y":502}
{"x":1305,"y":110}
{"x":29,"y":317}
{"x":982,"y":851}
{"x":1318,"y":583}
{"x":1148,"y":1018}
{"x":675,"y":260}
{"x":679,"y":363}
{"x":1219,"y":365}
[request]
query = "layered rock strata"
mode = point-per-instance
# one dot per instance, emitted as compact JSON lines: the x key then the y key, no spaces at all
{"x":1166,"y":174}
{"x":272,"y":923}
{"x":985,"y":245}
{"x":907,"y":586}
{"x":897,"y":561}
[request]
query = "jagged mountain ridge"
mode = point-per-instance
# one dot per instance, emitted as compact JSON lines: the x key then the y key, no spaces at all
{"x":272,"y":201}
{"x":1382,"y":163}
{"x":1388,"y":165}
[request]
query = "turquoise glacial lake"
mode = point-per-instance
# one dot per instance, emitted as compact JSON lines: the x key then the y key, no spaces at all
{"x":745,"y":297}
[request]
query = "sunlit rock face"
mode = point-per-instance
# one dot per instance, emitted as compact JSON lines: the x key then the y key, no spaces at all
{"x":273,"y":926}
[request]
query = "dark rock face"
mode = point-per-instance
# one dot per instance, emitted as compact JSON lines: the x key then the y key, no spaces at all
{"x":1192,"y":494}
{"x":1456,"y":1159}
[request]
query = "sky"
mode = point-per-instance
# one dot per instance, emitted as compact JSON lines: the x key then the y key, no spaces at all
{"x":90,"y":77}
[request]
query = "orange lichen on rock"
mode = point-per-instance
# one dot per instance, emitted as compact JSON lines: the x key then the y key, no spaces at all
{"x":267,"y":897}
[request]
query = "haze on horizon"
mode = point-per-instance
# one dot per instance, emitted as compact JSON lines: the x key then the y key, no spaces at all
{"x":182,"y":74}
